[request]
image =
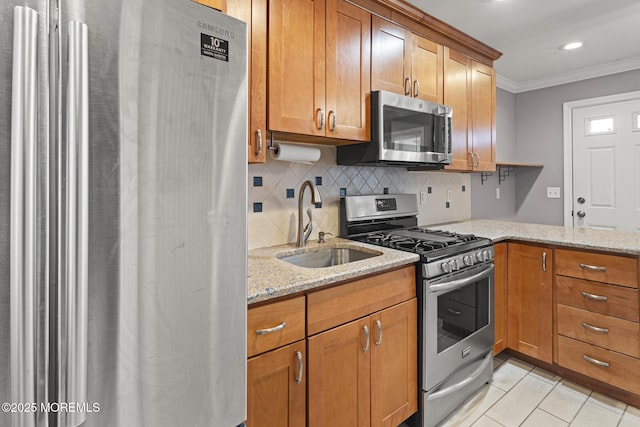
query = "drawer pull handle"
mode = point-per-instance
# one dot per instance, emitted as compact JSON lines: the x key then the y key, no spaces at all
{"x":300,"y":367}
{"x":366,"y":339}
{"x":593,"y":267}
{"x":280,"y":327}
{"x":595,"y":297}
{"x":379,"y":325}
{"x":595,"y":328}
{"x":595,"y":361}
{"x":456,"y":312}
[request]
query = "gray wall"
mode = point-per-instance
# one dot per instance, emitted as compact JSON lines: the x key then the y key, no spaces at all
{"x":538,"y":118}
{"x":484,"y":203}
{"x":529,"y":130}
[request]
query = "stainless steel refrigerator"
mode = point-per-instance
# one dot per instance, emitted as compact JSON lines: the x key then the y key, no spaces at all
{"x":123,"y":203}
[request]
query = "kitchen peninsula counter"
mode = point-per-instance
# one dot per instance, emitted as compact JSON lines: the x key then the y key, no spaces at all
{"x":623,"y":242}
{"x":270,"y":277}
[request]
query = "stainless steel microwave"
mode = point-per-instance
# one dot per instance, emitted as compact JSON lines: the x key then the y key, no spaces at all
{"x":405,"y":131}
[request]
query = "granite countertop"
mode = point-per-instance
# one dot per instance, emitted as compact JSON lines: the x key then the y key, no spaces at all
{"x":625,"y":242}
{"x":270,"y":277}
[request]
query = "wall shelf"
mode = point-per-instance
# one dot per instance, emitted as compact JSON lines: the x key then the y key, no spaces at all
{"x":505,"y":169}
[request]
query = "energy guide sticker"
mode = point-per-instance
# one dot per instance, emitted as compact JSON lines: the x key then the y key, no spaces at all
{"x":214,"y":47}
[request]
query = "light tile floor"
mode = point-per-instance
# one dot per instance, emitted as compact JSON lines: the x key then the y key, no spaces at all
{"x":524,"y":395}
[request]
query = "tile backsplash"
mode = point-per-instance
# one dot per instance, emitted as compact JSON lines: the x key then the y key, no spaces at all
{"x":272,"y":211}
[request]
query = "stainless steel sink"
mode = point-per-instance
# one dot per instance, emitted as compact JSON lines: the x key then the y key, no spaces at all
{"x":328,"y":257}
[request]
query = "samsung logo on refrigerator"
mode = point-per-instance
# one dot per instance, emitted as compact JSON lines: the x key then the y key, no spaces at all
{"x":216,"y":30}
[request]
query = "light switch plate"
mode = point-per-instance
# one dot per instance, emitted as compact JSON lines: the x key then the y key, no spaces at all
{"x":553,"y":192}
{"x":449,"y":196}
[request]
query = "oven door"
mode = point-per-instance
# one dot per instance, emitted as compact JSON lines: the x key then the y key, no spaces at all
{"x":458,"y":322}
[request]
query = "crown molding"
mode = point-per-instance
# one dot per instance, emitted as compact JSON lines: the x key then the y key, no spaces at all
{"x":574,"y":76}
{"x":506,"y":83}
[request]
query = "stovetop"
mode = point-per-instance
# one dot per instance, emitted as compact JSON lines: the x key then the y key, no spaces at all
{"x":430,"y":244}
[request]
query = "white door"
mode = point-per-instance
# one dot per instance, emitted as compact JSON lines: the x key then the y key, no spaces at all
{"x":606,"y":166}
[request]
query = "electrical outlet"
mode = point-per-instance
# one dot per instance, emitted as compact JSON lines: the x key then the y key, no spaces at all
{"x":449,"y":196}
{"x":553,"y":192}
{"x":497,"y":193}
{"x":423,"y":197}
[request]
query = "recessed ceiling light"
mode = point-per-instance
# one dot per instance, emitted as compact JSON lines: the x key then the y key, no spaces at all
{"x":572,"y":45}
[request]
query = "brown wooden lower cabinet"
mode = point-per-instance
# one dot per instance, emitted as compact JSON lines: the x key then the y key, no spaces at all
{"x":276,"y":389}
{"x":365,"y":372}
{"x":530,"y":300}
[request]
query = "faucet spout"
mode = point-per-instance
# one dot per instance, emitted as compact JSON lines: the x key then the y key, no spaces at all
{"x":305,"y":232}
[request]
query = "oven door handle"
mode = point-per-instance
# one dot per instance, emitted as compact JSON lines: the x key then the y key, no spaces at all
{"x":472,"y":377}
{"x":455,"y":284}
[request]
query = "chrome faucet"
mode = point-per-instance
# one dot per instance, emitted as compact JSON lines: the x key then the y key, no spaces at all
{"x":305,"y":231}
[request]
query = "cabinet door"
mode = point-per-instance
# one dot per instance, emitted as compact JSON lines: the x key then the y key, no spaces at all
{"x":427,"y":70}
{"x":457,"y":94}
{"x":339,"y":368}
{"x":394,"y":364}
{"x":296,"y":66}
{"x":500,"y":298}
{"x":391,"y":47}
{"x":484,"y":117}
{"x":254,"y":13}
{"x":530,"y":298}
{"x":276,"y":395}
{"x":348,"y":72}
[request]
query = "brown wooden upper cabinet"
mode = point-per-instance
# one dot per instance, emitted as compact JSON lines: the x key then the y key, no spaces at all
{"x":254,"y":13}
{"x":405,"y":63}
{"x":470,"y":88}
{"x":319,"y":68}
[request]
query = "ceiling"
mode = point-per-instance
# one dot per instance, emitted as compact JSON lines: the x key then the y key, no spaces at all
{"x":529,"y":33}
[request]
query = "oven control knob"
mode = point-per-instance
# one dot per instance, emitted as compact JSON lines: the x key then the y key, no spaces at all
{"x":467,"y":260}
{"x":445,"y":267}
{"x":486,"y":255}
{"x":456,"y":264}
{"x":479,"y":256}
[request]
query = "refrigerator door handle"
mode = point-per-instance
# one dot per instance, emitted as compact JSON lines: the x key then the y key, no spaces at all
{"x":23,"y":222}
{"x":75,"y":299}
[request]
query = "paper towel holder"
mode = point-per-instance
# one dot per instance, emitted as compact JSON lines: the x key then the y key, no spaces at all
{"x":271,"y":146}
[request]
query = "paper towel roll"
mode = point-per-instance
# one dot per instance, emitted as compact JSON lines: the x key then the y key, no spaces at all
{"x":295,"y":153}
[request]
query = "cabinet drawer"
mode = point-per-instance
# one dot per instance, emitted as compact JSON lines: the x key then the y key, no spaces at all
{"x":274,"y":325}
{"x":343,"y":303}
{"x":598,"y":297}
{"x":622,"y":371}
{"x":604,"y":331}
{"x":614,"y":269}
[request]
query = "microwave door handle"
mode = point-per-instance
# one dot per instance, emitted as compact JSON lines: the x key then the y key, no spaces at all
{"x":455,"y":284}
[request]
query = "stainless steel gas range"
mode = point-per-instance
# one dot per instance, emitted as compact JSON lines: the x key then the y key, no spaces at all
{"x":454,"y":282}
